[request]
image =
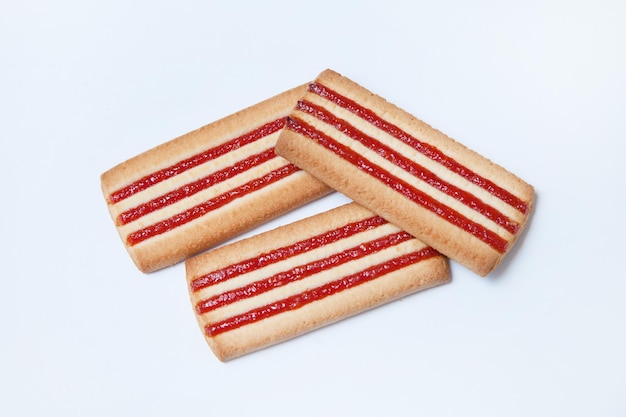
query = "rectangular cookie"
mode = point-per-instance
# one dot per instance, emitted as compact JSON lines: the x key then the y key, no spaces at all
{"x":277,"y":285}
{"x":450,"y":197}
{"x":207,"y":186}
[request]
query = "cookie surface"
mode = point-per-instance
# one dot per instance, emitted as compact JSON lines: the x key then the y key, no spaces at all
{"x":277,"y":285}
{"x":207,"y":186}
{"x":435,"y":188}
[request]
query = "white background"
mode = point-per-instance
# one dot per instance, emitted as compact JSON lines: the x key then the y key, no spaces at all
{"x":537,"y":86}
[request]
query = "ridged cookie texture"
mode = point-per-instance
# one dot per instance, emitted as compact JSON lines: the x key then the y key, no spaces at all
{"x":207,"y":186}
{"x":274,"y":286}
{"x":435,"y":188}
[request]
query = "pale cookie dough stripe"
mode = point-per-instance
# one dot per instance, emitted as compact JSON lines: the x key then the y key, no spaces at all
{"x":322,"y":277}
{"x":300,"y":272}
{"x":404,"y":188}
{"x":303,"y":258}
{"x":198,"y":159}
{"x":425,"y":148}
{"x":409,"y":166}
{"x":414,"y":156}
{"x":200,"y":210}
{"x":193,"y":174}
{"x":314,"y":294}
{"x":441,"y":195}
{"x":194,"y":187}
{"x":201,"y":197}
{"x":284,"y":252}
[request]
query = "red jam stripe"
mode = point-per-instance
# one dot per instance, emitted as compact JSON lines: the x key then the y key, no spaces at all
{"x":300,"y":300}
{"x":285,"y":252}
{"x":190,"y":189}
{"x":399,"y":185}
{"x":210,"y":205}
{"x":409,"y":166}
{"x":424,"y":148}
{"x":301,"y":272}
{"x":196,"y":160}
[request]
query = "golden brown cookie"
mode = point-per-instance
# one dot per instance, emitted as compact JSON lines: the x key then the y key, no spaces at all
{"x":265,"y":289}
{"x":443,"y":193}
{"x":207,"y":186}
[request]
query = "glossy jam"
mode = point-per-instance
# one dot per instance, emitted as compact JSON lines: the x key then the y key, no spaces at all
{"x":319,"y":293}
{"x":210,"y":205}
{"x":301,"y":271}
{"x":410,"y":166}
{"x":190,"y":189}
{"x":186,"y":164}
{"x":424,"y":148}
{"x":285,"y":252}
{"x":399,"y":185}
